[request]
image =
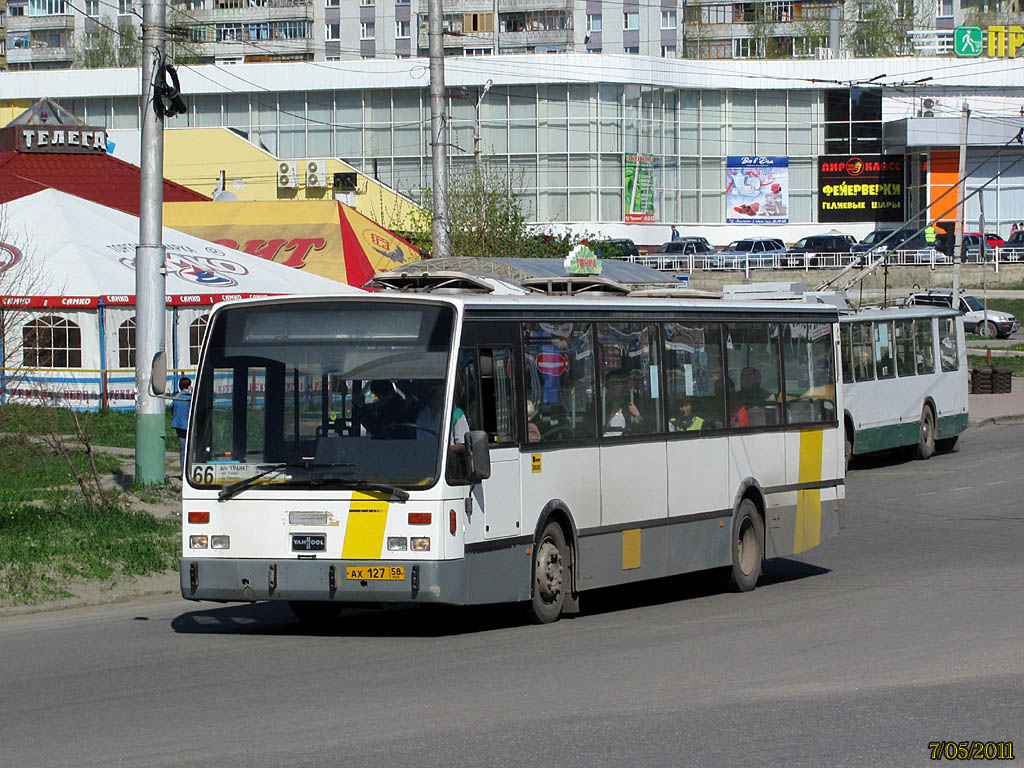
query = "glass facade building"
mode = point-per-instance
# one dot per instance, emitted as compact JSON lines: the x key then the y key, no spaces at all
{"x":562,"y":144}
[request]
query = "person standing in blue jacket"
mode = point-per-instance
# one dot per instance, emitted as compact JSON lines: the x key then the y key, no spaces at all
{"x":179,"y":415}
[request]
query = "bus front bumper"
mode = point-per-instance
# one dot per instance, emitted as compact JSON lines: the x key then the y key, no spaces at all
{"x":248,"y":580}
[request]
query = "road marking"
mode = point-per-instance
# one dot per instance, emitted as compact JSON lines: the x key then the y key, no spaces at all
{"x":997,"y":482}
{"x":963,"y":488}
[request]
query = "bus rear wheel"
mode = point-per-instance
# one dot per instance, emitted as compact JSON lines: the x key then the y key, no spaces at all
{"x":747,"y":547}
{"x":926,"y":437}
{"x":550,"y":575}
{"x":314,"y":612}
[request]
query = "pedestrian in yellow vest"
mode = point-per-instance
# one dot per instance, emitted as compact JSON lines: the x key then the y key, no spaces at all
{"x":930,"y":234}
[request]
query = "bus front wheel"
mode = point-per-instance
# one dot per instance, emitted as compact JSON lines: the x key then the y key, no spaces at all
{"x":550,"y":575}
{"x":747,"y":547}
{"x":926,"y":437}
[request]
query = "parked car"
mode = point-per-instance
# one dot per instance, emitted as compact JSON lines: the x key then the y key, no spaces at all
{"x":809,"y":247}
{"x":1013,"y":248}
{"x":617,"y":248}
{"x":758,"y":251}
{"x":871,"y":240}
{"x":992,"y":239}
{"x":684,"y":246}
{"x":976,"y":320}
{"x":904,"y":239}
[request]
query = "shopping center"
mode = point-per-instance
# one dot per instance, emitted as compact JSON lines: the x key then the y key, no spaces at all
{"x":617,"y":144}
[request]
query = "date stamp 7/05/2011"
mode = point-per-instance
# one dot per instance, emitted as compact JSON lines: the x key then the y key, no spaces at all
{"x":971,"y":750}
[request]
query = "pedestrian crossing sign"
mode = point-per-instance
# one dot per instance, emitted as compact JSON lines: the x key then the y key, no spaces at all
{"x":967,"y":42}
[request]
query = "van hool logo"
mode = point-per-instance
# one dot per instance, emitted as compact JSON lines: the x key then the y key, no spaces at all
{"x":9,"y":256}
{"x":213,"y":271}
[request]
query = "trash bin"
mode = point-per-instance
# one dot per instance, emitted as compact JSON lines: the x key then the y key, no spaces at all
{"x":1002,"y":379}
{"x":981,"y":381}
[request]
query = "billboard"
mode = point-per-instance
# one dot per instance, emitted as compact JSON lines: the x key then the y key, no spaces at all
{"x":757,"y":190}
{"x":860,"y":188}
{"x":639,"y":181}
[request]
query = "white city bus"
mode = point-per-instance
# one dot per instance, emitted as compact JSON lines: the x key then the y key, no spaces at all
{"x":485,"y":449}
{"x":904,"y":379}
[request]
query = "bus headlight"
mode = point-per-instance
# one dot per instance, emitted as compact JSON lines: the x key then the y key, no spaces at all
{"x":420,"y":543}
{"x":220,"y":541}
{"x":198,"y":542}
{"x":397,"y":543}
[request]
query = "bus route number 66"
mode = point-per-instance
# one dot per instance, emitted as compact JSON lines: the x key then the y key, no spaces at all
{"x":203,"y":475}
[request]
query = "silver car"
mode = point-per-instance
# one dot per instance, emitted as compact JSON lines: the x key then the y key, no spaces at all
{"x":757,"y":251}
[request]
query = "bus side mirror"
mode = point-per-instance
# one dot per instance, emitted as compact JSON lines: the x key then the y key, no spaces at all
{"x":478,"y":456}
{"x":158,"y":374}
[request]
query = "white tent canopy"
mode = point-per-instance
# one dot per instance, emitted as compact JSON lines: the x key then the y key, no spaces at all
{"x":71,"y":248}
{"x":67,"y":294}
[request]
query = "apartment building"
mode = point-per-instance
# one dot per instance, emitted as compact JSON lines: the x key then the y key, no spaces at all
{"x":3,"y":35}
{"x":58,"y":34}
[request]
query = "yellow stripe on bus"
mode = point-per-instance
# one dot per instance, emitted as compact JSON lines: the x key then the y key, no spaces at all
{"x":364,"y":533}
{"x":808,"y":503}
{"x":632,"y":549}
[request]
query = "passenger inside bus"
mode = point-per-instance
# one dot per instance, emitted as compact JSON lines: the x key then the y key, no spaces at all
{"x":622,"y":415}
{"x":686,"y":420}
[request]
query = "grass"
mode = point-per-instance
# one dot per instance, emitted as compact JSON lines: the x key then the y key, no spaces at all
{"x":115,"y":428}
{"x":49,"y":537}
{"x":1015,"y":363}
{"x":26,"y":467}
{"x":45,"y":546}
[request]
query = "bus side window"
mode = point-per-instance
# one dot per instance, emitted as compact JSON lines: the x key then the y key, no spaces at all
{"x":863,"y":358}
{"x":467,"y":392}
{"x":906,"y":363}
{"x":497,"y":394}
{"x":947,"y":344}
{"x":846,"y":336}
{"x":808,"y":359}
{"x":753,"y":357}
{"x":924,"y":338}
{"x":559,"y":376}
{"x":884,"y":368}
{"x":693,"y":371}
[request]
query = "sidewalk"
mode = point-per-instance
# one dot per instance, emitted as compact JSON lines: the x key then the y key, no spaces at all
{"x":997,"y":409}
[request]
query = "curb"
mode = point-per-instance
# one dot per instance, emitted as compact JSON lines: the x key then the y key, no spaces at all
{"x":1009,"y":418}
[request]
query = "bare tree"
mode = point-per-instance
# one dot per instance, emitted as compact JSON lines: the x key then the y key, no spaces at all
{"x":486,"y":218}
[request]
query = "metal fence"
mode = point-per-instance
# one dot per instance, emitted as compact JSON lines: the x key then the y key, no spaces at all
{"x":677,"y":262}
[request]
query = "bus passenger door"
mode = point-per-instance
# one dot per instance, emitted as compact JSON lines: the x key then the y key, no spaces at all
{"x":497,"y":503}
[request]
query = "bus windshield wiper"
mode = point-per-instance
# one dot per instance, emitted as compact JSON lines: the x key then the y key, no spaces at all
{"x":241,"y":485}
{"x":360,"y":485}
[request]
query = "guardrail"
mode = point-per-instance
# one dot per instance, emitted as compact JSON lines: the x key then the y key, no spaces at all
{"x":677,"y":262}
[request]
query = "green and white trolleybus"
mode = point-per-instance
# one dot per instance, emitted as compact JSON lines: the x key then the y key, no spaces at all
{"x":904,"y":379}
{"x":475,"y":448}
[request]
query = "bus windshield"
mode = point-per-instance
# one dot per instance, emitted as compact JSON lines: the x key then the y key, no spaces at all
{"x":346,"y":392}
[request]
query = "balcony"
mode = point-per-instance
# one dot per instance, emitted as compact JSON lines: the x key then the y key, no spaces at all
{"x":273,"y":10}
{"x":29,"y":23}
{"x":40,"y":55}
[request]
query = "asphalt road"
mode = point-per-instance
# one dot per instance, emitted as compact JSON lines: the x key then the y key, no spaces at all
{"x":905,"y":629}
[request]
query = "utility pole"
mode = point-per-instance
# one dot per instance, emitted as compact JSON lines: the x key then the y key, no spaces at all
{"x":149,"y":258}
{"x":961,"y":192}
{"x":476,"y":125}
{"x":438,"y":132}
{"x":495,"y":27}
{"x":984,"y":259}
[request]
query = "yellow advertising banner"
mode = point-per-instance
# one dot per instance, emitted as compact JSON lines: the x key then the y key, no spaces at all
{"x":325,"y":237}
